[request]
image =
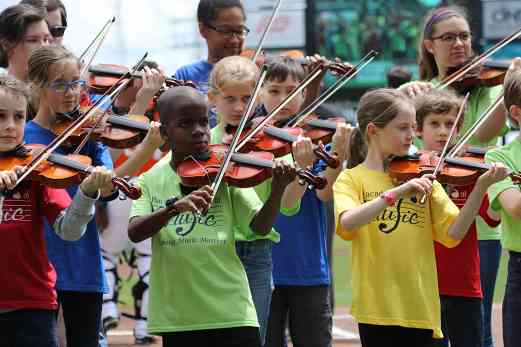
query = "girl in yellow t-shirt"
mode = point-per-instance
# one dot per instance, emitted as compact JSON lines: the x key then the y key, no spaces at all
{"x":395,"y":290}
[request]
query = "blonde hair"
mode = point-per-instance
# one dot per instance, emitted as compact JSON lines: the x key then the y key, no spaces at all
{"x":13,"y":86}
{"x":427,"y":63}
{"x":436,"y":101}
{"x":380,"y":107}
{"x":234,"y":68}
{"x":512,"y":88}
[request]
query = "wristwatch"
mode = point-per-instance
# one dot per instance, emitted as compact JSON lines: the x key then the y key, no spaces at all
{"x":169,"y":204}
{"x":389,"y":198}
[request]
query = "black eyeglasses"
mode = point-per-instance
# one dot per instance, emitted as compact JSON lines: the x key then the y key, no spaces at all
{"x":57,"y":31}
{"x":450,"y":38}
{"x":229,"y":32}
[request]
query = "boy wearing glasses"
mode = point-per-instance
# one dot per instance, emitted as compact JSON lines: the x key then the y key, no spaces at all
{"x":221,"y":24}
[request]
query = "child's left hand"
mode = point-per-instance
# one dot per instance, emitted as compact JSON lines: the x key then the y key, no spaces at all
{"x":152,"y":82}
{"x":283,"y":174}
{"x":99,"y":179}
{"x":340,"y":142}
{"x":153,"y":139}
{"x":303,"y":152}
{"x":496,"y":173}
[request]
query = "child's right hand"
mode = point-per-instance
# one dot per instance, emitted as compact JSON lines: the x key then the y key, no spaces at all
{"x":8,"y":178}
{"x":416,"y":186}
{"x":197,"y":201}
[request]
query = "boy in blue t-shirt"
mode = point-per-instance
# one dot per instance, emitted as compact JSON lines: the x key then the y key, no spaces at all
{"x":300,"y":261}
{"x":221,"y":24}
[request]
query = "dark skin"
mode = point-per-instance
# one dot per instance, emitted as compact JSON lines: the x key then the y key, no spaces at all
{"x":184,"y":115}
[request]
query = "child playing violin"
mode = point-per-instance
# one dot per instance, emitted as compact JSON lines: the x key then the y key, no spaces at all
{"x":28,"y":298}
{"x":395,"y":294}
{"x":135,"y":99}
{"x":300,"y":262}
{"x":57,"y":85}
{"x":199,"y":290}
{"x":505,"y":197}
{"x":231,"y":85}
{"x":458,"y":268}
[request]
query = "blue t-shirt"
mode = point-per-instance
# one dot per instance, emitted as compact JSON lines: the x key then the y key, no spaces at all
{"x":300,"y":258}
{"x":78,"y":264}
{"x":199,"y":73}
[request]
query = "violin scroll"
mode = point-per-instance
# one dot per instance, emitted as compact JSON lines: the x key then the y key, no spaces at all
{"x":130,"y":190}
{"x":306,"y":175}
{"x":330,"y":159}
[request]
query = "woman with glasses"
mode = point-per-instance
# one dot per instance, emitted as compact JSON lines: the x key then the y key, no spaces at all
{"x":56,"y":17}
{"x":446,"y":43}
{"x":22,"y":30}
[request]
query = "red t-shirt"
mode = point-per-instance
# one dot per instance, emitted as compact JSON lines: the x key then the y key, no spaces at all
{"x":458,"y":267}
{"x":27,"y":278}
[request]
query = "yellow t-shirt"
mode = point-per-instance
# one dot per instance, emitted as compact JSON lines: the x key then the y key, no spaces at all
{"x":394,"y":276}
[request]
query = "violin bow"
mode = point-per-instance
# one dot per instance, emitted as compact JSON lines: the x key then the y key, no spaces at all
{"x":266,"y":30}
{"x":100,"y":38}
{"x":452,"y":133}
{"x":339,"y":83}
{"x":309,"y":78}
{"x":472,"y":130}
{"x":231,"y":149}
{"x":73,"y":127}
{"x":478,"y":60}
{"x":112,"y":99}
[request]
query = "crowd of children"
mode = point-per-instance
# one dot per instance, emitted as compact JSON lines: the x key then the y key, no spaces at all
{"x":243,"y":266}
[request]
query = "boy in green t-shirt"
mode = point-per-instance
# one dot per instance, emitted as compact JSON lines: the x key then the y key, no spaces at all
{"x":199,"y":291}
{"x":505,"y":196}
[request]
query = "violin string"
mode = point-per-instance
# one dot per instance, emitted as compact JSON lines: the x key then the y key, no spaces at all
{"x":201,"y":166}
{"x":234,"y":143}
{"x":266,"y":30}
{"x":478,"y":60}
{"x":472,"y":130}
{"x":334,"y":88}
{"x":312,"y":76}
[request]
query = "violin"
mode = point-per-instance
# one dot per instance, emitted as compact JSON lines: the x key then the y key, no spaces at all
{"x":59,"y":171}
{"x":279,"y":142}
{"x":488,"y":74}
{"x":337,"y":67}
{"x":104,"y":76}
{"x":114,"y":131}
{"x":321,"y":130}
{"x":455,"y":171}
{"x":245,"y":170}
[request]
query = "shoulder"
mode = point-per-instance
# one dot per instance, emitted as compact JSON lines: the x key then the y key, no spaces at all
{"x":190,"y":70}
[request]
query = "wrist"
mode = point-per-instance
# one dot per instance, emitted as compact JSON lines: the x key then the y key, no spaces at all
{"x":88,"y":191}
{"x":170,"y":206}
{"x":389,"y":197}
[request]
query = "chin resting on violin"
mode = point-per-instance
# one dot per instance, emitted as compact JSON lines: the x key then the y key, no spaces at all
{"x":184,"y":118}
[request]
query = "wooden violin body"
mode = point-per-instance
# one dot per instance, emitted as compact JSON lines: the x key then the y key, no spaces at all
{"x":488,"y":74}
{"x":245,"y":170}
{"x":114,"y":131}
{"x":61,"y":171}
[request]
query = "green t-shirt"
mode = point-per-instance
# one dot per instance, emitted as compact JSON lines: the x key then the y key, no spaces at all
{"x":197,"y":281}
{"x":480,"y":98}
{"x":263,"y":191}
{"x":510,"y":156}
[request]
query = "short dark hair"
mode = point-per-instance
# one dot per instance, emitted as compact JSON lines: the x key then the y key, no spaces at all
{"x":49,"y":6}
{"x":14,"y":21}
{"x":436,"y":101}
{"x":280,"y":68}
{"x":207,"y":9}
{"x":397,"y":76}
